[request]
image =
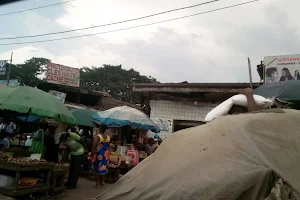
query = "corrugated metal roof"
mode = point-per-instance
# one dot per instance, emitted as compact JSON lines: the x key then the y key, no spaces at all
{"x":225,"y":85}
{"x":191,"y":87}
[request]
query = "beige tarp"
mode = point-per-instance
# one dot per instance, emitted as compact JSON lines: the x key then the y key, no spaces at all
{"x":232,"y":157}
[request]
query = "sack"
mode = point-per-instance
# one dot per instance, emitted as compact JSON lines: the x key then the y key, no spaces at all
{"x":239,"y":100}
{"x":220,"y":110}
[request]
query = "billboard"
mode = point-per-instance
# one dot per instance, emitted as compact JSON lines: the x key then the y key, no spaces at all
{"x":63,"y":75}
{"x":12,"y":83}
{"x":60,"y":95}
{"x":282,"y":68}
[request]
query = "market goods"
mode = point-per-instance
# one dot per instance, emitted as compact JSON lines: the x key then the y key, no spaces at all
{"x":25,"y":161}
{"x":62,"y":165}
{"x":115,"y":154}
{"x":28,"y":181}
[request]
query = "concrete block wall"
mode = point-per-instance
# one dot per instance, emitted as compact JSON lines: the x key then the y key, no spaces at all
{"x":179,"y":111}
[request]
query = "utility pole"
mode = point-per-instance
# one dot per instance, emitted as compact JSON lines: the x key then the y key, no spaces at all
{"x":250,"y":74}
{"x":8,"y":74}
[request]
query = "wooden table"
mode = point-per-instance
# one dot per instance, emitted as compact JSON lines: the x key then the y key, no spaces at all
{"x":18,"y":170}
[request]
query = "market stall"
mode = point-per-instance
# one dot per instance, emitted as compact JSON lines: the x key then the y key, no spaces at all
{"x":128,"y":131}
{"x":27,"y":176}
{"x":23,"y":170}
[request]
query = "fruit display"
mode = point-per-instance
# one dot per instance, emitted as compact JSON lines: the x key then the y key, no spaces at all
{"x":25,"y":161}
{"x":62,"y":165}
{"x":115,"y":154}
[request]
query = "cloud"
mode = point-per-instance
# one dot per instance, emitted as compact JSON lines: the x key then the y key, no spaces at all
{"x":209,"y":48}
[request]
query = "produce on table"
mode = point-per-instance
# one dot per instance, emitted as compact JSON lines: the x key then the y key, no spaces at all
{"x":62,"y":165}
{"x":24,"y":161}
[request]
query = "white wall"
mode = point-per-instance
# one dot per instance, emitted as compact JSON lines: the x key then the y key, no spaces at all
{"x":178,"y":111}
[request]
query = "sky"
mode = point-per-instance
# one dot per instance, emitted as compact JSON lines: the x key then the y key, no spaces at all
{"x":212,"y":47}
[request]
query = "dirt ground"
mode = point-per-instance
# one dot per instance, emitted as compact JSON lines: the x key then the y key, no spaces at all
{"x":84,"y":191}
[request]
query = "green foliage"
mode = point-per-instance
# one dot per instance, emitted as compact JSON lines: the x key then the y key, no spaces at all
{"x":108,"y":78}
{"x":28,"y":73}
{"x":114,"y":80}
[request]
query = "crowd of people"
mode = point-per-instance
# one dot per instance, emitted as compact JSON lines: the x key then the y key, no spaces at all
{"x":72,"y":144}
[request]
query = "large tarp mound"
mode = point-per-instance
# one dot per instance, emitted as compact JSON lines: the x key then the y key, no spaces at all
{"x":233,"y":157}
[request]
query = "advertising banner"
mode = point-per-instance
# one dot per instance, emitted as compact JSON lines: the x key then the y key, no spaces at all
{"x":63,"y":75}
{"x":12,"y":83}
{"x":60,"y":95}
{"x":282,"y":68}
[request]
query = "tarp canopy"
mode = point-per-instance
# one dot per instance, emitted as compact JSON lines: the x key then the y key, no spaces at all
{"x":287,"y":91}
{"x":233,"y":157}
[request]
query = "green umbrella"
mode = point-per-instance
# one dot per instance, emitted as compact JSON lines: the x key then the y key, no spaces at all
{"x":84,"y":117}
{"x":35,"y":102}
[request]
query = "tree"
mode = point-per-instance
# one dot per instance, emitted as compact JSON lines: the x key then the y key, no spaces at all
{"x":28,"y":73}
{"x":114,"y":80}
{"x":108,"y":78}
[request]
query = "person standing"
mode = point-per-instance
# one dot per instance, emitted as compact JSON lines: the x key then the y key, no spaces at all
{"x":51,"y":152}
{"x":100,"y":155}
{"x":38,"y":143}
{"x":77,"y":149}
{"x":4,"y":142}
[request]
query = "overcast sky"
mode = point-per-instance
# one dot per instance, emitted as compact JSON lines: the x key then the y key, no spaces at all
{"x":207,"y":48}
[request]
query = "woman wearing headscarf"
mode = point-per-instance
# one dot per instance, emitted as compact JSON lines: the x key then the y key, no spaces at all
{"x":100,"y":155}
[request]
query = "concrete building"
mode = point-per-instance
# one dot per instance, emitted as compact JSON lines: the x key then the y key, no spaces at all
{"x":182,"y":105}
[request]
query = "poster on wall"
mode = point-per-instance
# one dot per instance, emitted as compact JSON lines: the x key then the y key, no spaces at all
{"x":63,"y":75}
{"x":282,"y":68}
{"x":60,"y":95}
{"x":165,"y":125}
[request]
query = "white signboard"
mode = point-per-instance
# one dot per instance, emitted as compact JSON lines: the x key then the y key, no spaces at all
{"x":60,"y":95}
{"x":282,"y":68}
{"x":2,"y":67}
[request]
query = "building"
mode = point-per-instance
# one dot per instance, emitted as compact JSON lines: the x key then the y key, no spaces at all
{"x":83,"y":98}
{"x":177,"y":106}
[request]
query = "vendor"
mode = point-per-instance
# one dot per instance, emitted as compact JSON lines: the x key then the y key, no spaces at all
{"x":100,"y":155}
{"x":38,"y":143}
{"x":150,"y":145}
{"x":51,"y":153}
{"x":77,"y":149}
{"x":4,"y":143}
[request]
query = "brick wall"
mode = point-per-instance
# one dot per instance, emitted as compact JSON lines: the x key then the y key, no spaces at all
{"x":179,"y":111}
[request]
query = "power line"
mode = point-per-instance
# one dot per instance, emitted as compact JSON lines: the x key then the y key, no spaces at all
{"x":36,"y":8}
{"x":133,"y":27}
{"x":109,"y":24}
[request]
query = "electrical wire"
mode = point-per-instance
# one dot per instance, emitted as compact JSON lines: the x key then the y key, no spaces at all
{"x":133,"y":27}
{"x":36,"y":8}
{"x":109,"y":24}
